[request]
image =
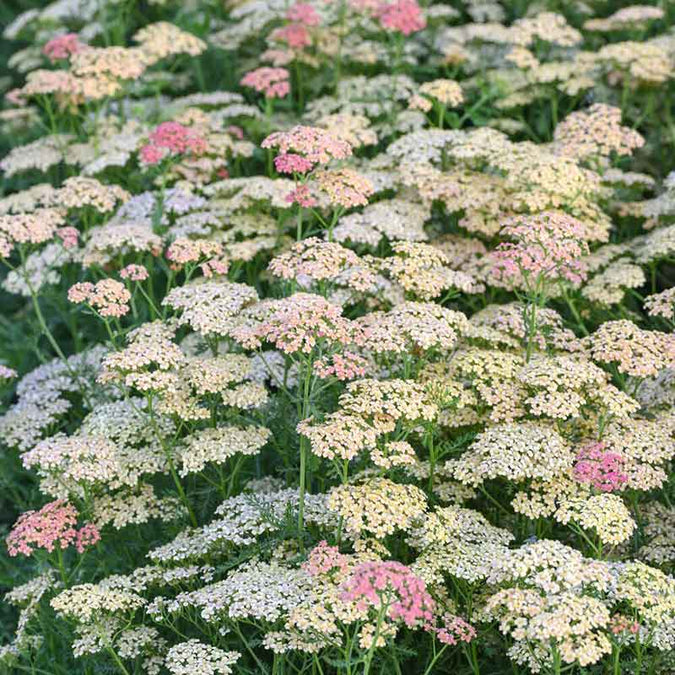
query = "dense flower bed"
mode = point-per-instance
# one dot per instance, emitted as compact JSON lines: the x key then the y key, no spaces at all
{"x":337,"y":337}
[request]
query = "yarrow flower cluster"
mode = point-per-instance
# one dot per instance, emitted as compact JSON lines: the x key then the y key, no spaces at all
{"x":171,"y":138}
{"x":53,"y":527}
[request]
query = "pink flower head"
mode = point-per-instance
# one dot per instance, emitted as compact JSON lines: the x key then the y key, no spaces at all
{"x":172,"y":138}
{"x":297,"y":323}
{"x":62,"y":47}
{"x":108,"y":296}
{"x":273,"y":82}
{"x":303,"y":13}
{"x":235,"y":131}
{"x":392,"y":585}
{"x":183,"y":250}
{"x":453,"y":629}
{"x":347,"y":366}
{"x":68,"y":235}
{"x":600,"y":468}
{"x":324,"y":559}
{"x":549,"y":244}
{"x":291,"y":163}
{"x":54,"y":525}
{"x":318,"y":146}
{"x":151,"y":154}
{"x":134,"y":273}
{"x":620,"y":623}
{"x":215,"y":267}
{"x":404,"y":16}
{"x":295,"y":35}
{"x":301,"y":196}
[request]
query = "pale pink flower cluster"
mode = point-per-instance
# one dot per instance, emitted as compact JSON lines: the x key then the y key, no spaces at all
{"x":171,"y":138}
{"x":321,"y":260}
{"x":273,"y":82}
{"x":317,"y":146}
{"x":324,"y":559}
{"x":549,"y":244}
{"x":600,"y":468}
{"x":346,"y":366}
{"x":297,"y":323}
{"x":134,"y":272}
{"x":390,"y":586}
{"x":403,"y":16}
{"x":53,"y":526}
{"x":453,"y":630}
{"x":62,"y":47}
{"x":183,"y":251}
{"x":28,"y":228}
{"x":344,"y":187}
{"x":108,"y":297}
{"x":295,"y":35}
{"x":302,"y":196}
{"x":68,"y":236}
{"x":304,"y":13}
{"x":292,"y":163}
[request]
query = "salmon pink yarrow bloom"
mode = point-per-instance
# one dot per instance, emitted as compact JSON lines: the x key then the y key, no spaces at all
{"x":403,"y":16}
{"x":345,"y":187}
{"x":171,"y":138}
{"x":295,"y":35}
{"x":273,"y":82}
{"x":53,"y":526}
{"x":303,"y":13}
{"x":108,"y":297}
{"x":62,"y":47}
{"x":318,"y":146}
{"x":549,"y":244}
{"x":301,"y":196}
{"x":391,"y":586}
{"x":292,"y":163}
{"x":324,"y":559}
{"x":134,"y":273}
{"x":600,"y":468}
{"x":68,"y":236}
{"x":453,"y":629}
{"x":347,"y":366}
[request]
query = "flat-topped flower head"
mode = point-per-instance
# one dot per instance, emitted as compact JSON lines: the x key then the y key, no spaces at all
{"x":304,"y":13}
{"x":317,"y":146}
{"x":63,"y":47}
{"x":636,"y":352}
{"x":549,"y":245}
{"x":54,"y":526}
{"x":344,"y":187}
{"x":172,"y":138}
{"x":601,"y":468}
{"x":402,"y":16}
{"x":272,"y":82}
{"x":297,"y":324}
{"x":318,"y":260}
{"x":393,"y":587}
{"x":108,"y":296}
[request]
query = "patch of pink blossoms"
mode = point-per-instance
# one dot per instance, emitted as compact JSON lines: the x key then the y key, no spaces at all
{"x":548,"y":244}
{"x":53,"y":526}
{"x":171,"y":138}
{"x":272,"y":82}
{"x":108,"y":296}
{"x":600,"y":468}
{"x":404,"y":16}
{"x":62,"y":47}
{"x":391,"y":586}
